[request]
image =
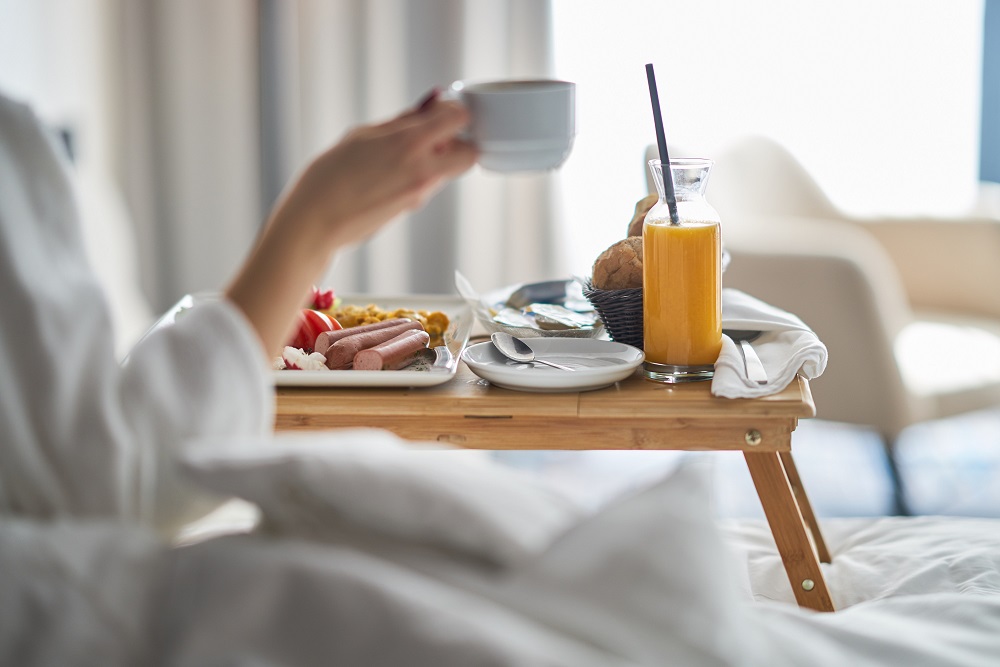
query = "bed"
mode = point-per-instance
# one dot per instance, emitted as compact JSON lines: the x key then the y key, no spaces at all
{"x":370,"y":551}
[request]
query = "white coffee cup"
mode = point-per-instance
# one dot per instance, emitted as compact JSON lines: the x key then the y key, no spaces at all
{"x":519,"y":125}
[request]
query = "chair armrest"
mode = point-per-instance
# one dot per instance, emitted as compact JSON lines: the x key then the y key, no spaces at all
{"x":804,"y":243}
{"x":839,"y":280}
{"x":944,"y":265}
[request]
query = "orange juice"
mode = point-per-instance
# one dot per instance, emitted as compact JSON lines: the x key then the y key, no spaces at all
{"x":682,"y":292}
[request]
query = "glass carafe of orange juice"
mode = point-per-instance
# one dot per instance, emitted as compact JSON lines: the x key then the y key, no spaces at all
{"x":682,"y":278}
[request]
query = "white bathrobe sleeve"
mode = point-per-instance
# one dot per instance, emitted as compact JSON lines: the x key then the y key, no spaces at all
{"x":81,"y":435}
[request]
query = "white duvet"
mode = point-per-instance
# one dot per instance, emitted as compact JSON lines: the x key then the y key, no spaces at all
{"x":648,"y":579}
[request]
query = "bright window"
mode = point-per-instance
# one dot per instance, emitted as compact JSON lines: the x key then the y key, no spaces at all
{"x":879,"y":100}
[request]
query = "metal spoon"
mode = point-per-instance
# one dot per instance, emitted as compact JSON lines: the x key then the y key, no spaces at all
{"x":755,"y":369}
{"x":516,"y":349}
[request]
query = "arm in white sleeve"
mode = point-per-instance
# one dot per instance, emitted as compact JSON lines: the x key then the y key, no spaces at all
{"x":206,"y":375}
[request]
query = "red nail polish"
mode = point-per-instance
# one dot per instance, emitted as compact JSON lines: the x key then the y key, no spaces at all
{"x":428,"y":99}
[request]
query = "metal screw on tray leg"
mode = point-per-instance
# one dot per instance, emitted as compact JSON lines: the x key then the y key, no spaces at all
{"x":753,"y":437}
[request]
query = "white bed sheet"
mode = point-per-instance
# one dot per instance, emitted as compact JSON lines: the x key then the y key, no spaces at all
{"x":875,"y":558}
{"x":908,"y":590}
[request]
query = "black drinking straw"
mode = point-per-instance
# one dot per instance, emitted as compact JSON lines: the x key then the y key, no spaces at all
{"x":661,"y":142}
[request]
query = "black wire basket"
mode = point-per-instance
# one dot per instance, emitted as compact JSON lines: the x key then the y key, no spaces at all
{"x":621,"y":311}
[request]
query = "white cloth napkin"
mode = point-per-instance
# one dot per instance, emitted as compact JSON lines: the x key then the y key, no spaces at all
{"x":786,"y":348}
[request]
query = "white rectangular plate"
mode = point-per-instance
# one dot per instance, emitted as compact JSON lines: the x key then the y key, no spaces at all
{"x":455,"y":339}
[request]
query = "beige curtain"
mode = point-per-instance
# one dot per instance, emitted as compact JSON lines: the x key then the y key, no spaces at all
{"x":190,"y":105}
{"x":184,"y":79}
{"x":344,"y":62}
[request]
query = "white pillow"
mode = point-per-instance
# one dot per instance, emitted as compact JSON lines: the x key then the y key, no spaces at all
{"x":649,"y":577}
{"x":320,"y":485}
{"x":646,"y":577}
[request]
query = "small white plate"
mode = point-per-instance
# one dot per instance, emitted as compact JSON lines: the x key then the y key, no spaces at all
{"x":596,"y":364}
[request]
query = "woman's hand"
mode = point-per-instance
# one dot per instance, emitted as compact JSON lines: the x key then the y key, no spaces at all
{"x":344,"y":196}
{"x":379,"y":171}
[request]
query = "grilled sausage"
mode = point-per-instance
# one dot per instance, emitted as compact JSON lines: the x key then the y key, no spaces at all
{"x":392,"y":354}
{"x":328,"y":338}
{"x":340,"y":354}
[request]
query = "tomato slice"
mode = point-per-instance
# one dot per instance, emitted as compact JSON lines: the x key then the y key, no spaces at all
{"x":311,"y":323}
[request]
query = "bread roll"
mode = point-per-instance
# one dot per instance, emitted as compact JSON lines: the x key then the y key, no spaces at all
{"x":620,"y":266}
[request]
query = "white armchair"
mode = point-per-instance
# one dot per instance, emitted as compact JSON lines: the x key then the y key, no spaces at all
{"x":909,"y":308}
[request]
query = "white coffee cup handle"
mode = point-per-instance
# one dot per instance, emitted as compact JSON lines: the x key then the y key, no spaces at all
{"x":453,"y":93}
